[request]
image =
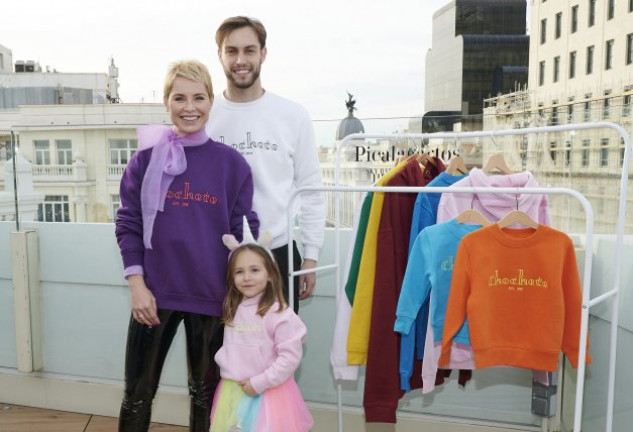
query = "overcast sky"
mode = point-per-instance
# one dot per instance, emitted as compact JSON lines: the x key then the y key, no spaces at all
{"x":317,"y":51}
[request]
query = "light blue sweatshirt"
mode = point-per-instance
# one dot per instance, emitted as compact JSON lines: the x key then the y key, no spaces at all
{"x":429,"y":272}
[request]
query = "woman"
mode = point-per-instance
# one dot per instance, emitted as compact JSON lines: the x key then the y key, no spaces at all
{"x":179,"y":193}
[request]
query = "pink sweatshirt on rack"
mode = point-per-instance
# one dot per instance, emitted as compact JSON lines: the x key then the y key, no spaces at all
{"x":495,"y":206}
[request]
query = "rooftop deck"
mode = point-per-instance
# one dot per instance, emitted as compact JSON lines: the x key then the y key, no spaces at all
{"x":76,"y":323}
{"x":14,"y":418}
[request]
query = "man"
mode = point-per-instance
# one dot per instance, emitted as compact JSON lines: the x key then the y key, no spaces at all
{"x":276,"y":137}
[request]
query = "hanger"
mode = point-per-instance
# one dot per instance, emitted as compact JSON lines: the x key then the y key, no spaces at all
{"x":497,"y":161}
{"x":400,"y":159}
{"x":425,"y":159}
{"x":456,"y":166}
{"x":471,"y":216}
{"x":517,"y":217}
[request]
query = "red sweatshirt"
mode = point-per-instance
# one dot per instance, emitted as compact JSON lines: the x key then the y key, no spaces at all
{"x":382,"y":379}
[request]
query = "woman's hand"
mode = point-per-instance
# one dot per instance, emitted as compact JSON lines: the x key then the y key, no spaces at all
{"x":143,"y":302}
{"x":248,"y":388}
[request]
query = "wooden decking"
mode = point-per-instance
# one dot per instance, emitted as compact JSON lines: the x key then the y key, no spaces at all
{"x":15,"y":418}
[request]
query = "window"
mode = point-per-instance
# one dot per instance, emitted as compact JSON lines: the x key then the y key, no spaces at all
{"x":541,"y":73}
{"x":621,"y":152}
{"x":121,"y":150}
{"x":630,"y":5}
{"x":587,"y":116}
{"x":604,"y":152}
{"x":626,"y":105}
{"x":556,"y":68}
{"x":554,"y":118}
{"x":55,"y":208}
{"x":42,"y":152}
{"x":543,"y":30}
{"x":629,"y":48}
{"x":606,"y":108}
{"x":567,"y":153}
{"x":610,"y":9}
{"x":585,"y":152}
{"x":608,"y":55}
{"x":559,"y":24}
{"x":64,"y":152}
{"x":574,"y":19}
{"x":592,"y":12}
{"x":115,"y":203}
{"x":570,"y":113}
{"x":589,"y":68}
{"x":552,"y":151}
{"x":572,"y":64}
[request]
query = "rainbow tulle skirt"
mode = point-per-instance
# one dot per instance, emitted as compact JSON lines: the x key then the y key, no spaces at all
{"x":279,"y":409}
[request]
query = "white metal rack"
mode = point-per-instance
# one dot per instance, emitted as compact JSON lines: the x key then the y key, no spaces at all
{"x":587,"y":301}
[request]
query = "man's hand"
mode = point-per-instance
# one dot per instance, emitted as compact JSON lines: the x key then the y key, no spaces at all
{"x":307,"y":282}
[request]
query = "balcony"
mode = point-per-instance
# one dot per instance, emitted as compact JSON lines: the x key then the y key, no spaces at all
{"x":114,"y":172}
{"x":43,"y":173}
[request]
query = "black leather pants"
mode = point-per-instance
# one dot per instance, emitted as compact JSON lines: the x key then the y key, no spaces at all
{"x":281,"y":256}
{"x":144,"y":359}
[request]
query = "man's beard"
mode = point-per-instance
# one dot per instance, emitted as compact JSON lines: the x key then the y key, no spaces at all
{"x":242,"y":84}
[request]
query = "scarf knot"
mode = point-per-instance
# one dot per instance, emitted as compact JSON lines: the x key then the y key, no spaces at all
{"x":168,"y":160}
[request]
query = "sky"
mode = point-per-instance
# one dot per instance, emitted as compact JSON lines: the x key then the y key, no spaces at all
{"x":317,"y":51}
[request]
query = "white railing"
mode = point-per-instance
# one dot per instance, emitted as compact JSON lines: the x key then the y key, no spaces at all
{"x":53,"y":172}
{"x":115,"y":171}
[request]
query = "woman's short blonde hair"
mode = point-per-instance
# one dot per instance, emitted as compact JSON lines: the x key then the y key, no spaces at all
{"x":190,"y":69}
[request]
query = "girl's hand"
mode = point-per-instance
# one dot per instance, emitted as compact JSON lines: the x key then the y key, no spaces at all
{"x":143,"y":302}
{"x":248,"y":388}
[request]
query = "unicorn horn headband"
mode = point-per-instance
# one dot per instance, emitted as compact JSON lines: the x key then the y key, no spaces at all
{"x":264,"y":240}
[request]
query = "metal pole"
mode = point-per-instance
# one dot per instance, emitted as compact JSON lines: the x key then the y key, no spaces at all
{"x":15,"y":183}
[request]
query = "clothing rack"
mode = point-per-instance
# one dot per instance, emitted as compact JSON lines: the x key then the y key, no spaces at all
{"x":587,"y":301}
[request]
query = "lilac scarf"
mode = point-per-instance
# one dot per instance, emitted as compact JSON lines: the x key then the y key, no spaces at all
{"x":166,"y":162}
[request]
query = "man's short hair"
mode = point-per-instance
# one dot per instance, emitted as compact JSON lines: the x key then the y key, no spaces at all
{"x":233,"y":23}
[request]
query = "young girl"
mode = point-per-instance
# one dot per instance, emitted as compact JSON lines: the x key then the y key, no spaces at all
{"x":261,"y":351}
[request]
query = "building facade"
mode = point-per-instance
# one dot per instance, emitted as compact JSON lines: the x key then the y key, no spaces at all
{"x":78,"y":154}
{"x":581,"y":70}
{"x":479,"y":48}
{"x":70,"y":134}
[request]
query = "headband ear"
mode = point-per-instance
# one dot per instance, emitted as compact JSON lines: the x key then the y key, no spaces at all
{"x":230,"y":241}
{"x":265,"y":239}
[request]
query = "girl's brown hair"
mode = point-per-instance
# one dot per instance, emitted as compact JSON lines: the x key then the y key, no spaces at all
{"x":273,"y":292}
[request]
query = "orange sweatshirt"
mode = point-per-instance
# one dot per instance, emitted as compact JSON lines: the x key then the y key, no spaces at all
{"x":521,"y":292}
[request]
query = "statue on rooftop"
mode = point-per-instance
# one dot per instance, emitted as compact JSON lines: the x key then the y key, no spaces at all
{"x":349,"y":103}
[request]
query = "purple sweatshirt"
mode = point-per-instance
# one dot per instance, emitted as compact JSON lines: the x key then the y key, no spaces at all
{"x":186,"y":267}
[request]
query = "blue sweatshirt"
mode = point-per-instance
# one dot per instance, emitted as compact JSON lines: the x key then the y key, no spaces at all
{"x":425,"y":209}
{"x":186,"y":267}
{"x":429,"y":273}
{"x":424,"y":215}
